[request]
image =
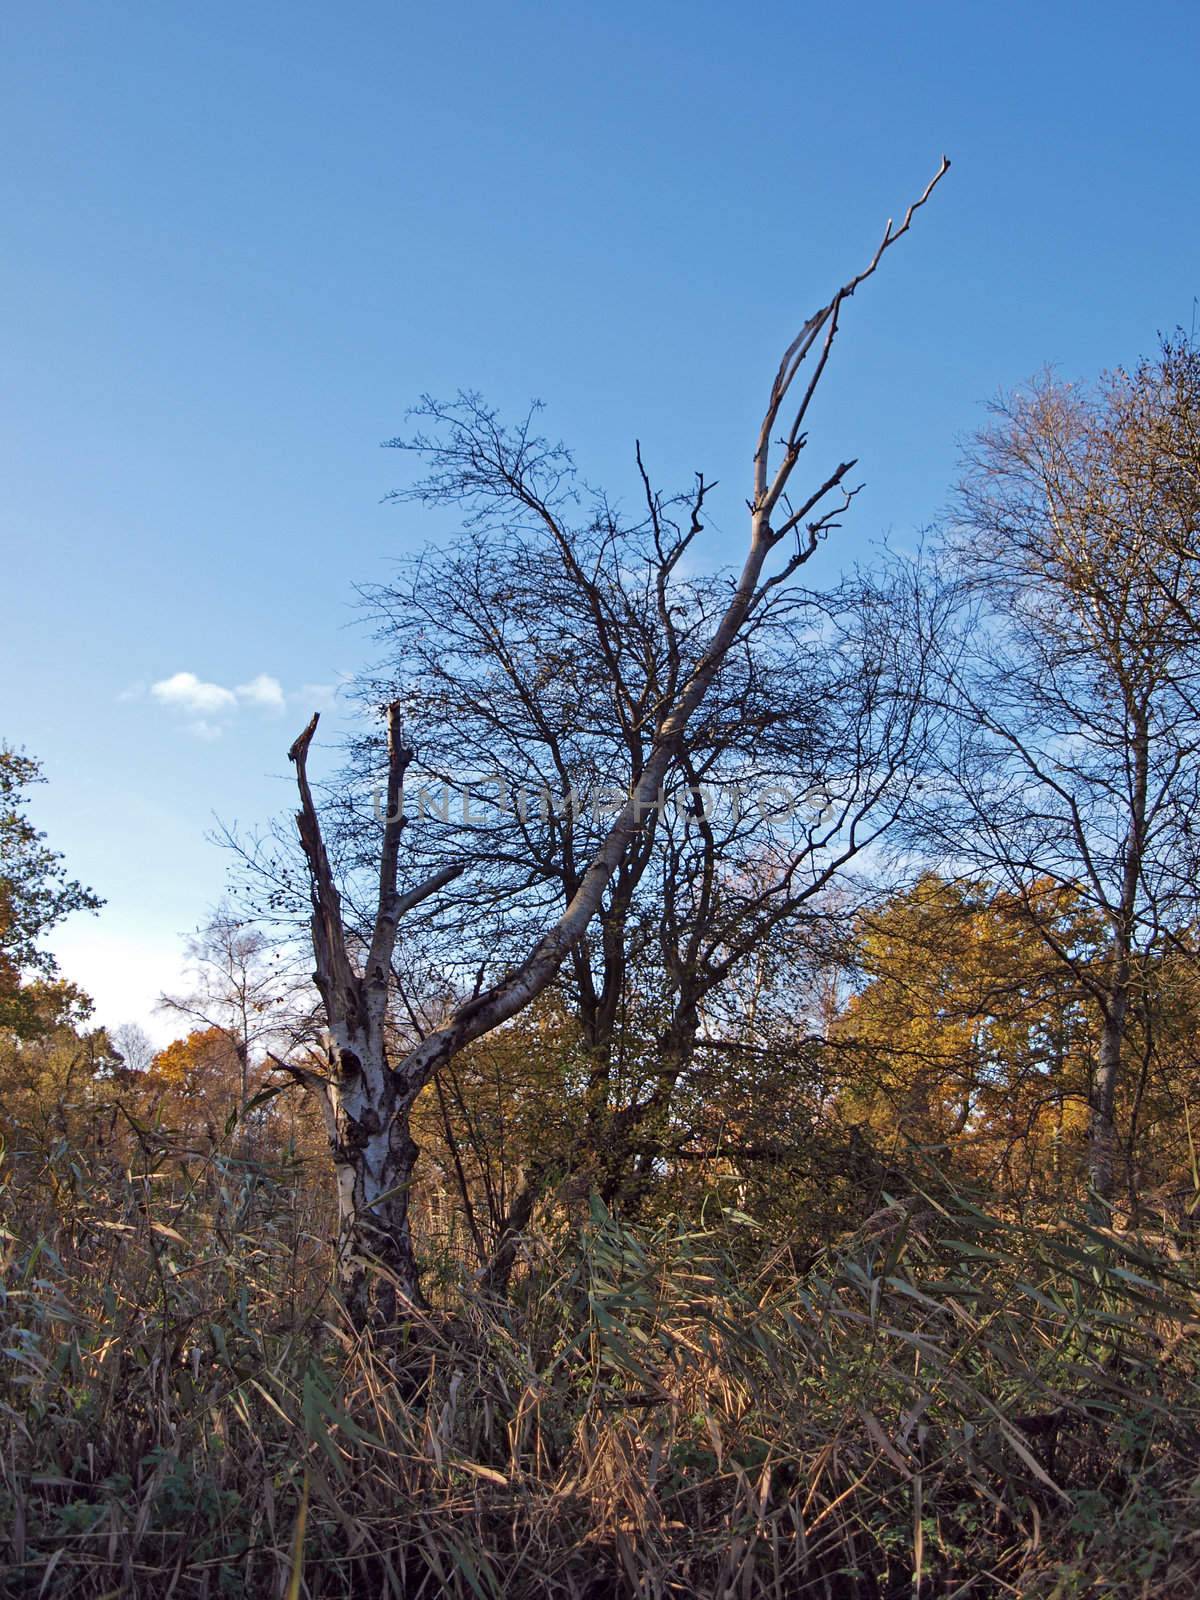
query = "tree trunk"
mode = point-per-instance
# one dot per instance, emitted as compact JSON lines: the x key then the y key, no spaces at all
{"x":1102,"y":1132}
{"x":374,"y":1155}
{"x":1102,"y":1126}
{"x":365,"y":1103}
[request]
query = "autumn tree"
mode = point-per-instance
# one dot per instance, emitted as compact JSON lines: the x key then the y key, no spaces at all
{"x":965,"y":1030}
{"x":1072,"y":677}
{"x":193,"y":1085}
{"x":53,"y":1076}
{"x":1159,"y":1109}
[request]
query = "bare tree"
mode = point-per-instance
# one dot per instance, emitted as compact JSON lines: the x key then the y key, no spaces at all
{"x":1073,"y":678}
{"x":366,"y":1093}
{"x":134,"y":1046}
{"x":247,"y":988}
{"x":537,"y":677}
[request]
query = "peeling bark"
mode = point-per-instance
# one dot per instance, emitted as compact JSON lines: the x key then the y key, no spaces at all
{"x":362,"y":1099}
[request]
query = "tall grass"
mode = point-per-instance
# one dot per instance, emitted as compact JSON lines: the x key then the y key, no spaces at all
{"x":944,"y":1403}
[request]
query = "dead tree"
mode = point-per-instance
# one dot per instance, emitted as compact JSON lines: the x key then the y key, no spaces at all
{"x":366,"y":1096}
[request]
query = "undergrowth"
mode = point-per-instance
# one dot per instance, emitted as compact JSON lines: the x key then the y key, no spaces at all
{"x":947,"y":1402}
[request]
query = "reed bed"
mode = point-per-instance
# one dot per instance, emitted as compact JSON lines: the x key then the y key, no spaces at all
{"x":945,"y":1402}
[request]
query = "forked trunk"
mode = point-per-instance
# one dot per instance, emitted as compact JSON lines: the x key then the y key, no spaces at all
{"x":373,"y":1155}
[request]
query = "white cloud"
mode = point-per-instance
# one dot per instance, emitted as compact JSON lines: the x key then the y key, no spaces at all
{"x":263,"y":690}
{"x":190,"y":693}
{"x":209,"y":707}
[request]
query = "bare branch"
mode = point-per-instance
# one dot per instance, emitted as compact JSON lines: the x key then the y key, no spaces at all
{"x":334,"y":976}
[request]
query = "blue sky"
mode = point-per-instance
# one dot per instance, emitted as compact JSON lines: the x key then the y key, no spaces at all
{"x":242,"y":239}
